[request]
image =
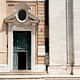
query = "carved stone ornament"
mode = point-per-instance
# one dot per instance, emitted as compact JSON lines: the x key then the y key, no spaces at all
{"x":21,"y":14}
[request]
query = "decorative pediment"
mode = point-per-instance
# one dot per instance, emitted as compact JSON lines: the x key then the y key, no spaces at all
{"x":22,"y":15}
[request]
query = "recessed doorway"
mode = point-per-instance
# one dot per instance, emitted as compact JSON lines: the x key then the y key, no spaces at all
{"x":22,"y":50}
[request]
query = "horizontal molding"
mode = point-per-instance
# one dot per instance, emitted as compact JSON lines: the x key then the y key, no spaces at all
{"x":2,"y":65}
{"x":38,"y":76}
{"x":25,"y":0}
{"x":3,"y":51}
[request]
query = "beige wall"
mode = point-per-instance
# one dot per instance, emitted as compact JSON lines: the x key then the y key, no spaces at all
{"x":41,"y":27}
{"x":3,"y":46}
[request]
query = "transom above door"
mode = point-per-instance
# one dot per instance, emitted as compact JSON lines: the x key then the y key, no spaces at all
{"x":22,"y":50}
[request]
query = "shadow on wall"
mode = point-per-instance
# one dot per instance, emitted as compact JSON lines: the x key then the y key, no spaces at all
{"x":3,"y":27}
{"x":47,"y":13}
{"x":3,"y":36}
{"x":47,"y":32}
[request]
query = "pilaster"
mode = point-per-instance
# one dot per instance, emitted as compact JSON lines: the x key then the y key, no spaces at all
{"x":57,"y":36}
{"x":76,"y":28}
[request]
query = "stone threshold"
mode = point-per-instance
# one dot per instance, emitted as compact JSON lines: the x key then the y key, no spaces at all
{"x":23,"y":72}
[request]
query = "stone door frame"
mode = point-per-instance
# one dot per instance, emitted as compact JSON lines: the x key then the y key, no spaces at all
{"x":12,"y":28}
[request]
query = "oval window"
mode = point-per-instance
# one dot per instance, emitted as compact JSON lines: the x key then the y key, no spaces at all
{"x":22,"y":15}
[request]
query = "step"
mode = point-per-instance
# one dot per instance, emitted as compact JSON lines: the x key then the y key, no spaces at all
{"x":39,"y":77}
{"x":23,"y":73}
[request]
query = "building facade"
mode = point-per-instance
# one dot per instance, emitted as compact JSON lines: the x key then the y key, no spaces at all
{"x":21,"y":19}
{"x":39,"y":39}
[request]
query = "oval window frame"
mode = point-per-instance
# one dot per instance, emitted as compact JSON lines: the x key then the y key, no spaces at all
{"x":22,"y":15}
{"x":22,"y":21}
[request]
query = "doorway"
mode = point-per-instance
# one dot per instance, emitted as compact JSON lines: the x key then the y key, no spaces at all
{"x":22,"y":50}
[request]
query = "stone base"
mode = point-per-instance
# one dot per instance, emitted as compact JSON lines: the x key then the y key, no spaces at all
{"x":3,"y":68}
{"x":59,"y":70}
{"x":39,"y":68}
{"x":76,"y":70}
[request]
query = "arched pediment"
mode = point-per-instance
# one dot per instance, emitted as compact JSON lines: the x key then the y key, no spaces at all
{"x":22,"y":11}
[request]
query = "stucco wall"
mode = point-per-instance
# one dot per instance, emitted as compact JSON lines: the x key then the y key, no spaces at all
{"x":3,"y":45}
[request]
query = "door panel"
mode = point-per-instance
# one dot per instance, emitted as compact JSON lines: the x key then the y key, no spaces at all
{"x":15,"y":62}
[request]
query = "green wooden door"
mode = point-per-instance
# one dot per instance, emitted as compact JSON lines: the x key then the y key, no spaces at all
{"x":21,"y":44}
